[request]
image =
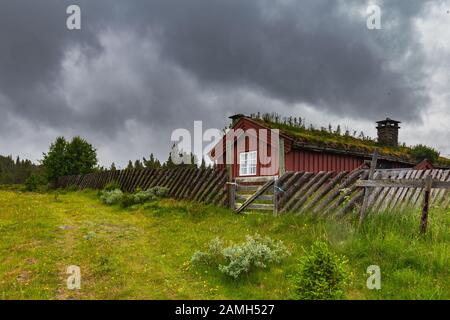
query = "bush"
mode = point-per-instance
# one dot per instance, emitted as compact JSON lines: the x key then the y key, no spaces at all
{"x":321,"y":275}
{"x":111,"y":186}
{"x":126,"y":200}
{"x":256,"y":252}
{"x":421,"y":152}
{"x":144,"y":196}
{"x":33,"y":182}
{"x":111,"y":197}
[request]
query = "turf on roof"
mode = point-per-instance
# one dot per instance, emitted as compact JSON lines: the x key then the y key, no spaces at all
{"x":325,"y":138}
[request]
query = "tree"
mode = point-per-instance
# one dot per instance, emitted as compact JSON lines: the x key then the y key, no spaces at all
{"x":69,"y":158}
{"x":55,"y":161}
{"x":130,"y":165}
{"x":81,"y":157}
{"x":182,"y":158}
{"x":421,"y":152}
{"x":203,"y":164}
{"x":152,"y":162}
{"x":138,"y":164}
{"x":113,"y":167}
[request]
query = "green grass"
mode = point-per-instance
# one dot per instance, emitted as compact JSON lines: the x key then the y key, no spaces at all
{"x":144,"y":252}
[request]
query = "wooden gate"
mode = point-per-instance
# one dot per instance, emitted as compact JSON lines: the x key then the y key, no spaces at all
{"x":253,"y":193}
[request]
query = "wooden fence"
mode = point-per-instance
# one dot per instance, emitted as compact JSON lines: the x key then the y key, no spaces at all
{"x":202,"y":185}
{"x":323,"y":194}
{"x":337,"y":193}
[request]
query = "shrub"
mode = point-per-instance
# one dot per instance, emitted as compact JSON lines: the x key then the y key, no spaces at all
{"x":256,"y":252}
{"x":321,"y":275}
{"x":422,"y":152}
{"x":127,"y":200}
{"x":33,"y":182}
{"x":213,"y":254}
{"x":71,"y":188}
{"x":111,"y":186}
{"x":111,"y":197}
{"x":160,"y":191}
{"x":144,"y":196}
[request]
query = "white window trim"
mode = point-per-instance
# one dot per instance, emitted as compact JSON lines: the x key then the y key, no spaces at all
{"x":247,"y":164}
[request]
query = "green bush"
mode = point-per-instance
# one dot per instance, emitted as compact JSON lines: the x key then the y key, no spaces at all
{"x":111,"y":186}
{"x":144,"y":196}
{"x":213,"y":254}
{"x":421,"y":152}
{"x":127,"y":200}
{"x":111,"y":197}
{"x":322,"y":275}
{"x":116,"y":196}
{"x":255,"y":253}
{"x":71,"y":188}
{"x":33,"y":182}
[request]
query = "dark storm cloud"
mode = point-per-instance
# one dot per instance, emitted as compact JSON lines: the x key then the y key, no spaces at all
{"x":167,"y":62}
{"x":299,"y":51}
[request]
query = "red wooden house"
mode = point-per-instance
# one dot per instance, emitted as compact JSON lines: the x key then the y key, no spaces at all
{"x":301,"y":149}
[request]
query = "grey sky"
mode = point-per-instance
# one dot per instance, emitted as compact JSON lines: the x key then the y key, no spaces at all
{"x":139,"y":69}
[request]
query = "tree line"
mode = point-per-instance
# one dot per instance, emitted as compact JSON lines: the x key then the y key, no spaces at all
{"x":16,"y":171}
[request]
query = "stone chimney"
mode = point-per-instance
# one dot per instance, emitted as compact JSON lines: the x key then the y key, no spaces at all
{"x":388,"y":132}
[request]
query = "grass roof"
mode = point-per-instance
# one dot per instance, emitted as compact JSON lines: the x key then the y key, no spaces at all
{"x":335,"y":138}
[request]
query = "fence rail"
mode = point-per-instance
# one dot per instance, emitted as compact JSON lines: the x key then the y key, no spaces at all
{"x":202,"y":185}
{"x":337,"y":193}
{"x":325,"y":193}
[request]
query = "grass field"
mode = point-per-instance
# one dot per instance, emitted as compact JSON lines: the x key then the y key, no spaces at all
{"x":144,"y":252}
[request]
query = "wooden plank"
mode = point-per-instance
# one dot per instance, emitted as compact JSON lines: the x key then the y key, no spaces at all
{"x":185,"y":183}
{"x":263,"y":197}
{"x":432,"y":174}
{"x":286,"y":200}
{"x":351,"y":204}
{"x":400,"y":191}
{"x":247,"y":188}
{"x":410,"y":192}
{"x":405,"y":183}
{"x":210,"y":187}
{"x":426,"y":204}
{"x":217,"y":188}
{"x":392,"y":191}
{"x":256,"y":206}
{"x":349,"y":179}
{"x":188,"y":191}
{"x":441,"y":192}
{"x":204,"y":185}
{"x":266,"y":186}
{"x":324,"y":190}
{"x":381,"y":197}
{"x":254,"y":180}
{"x":310,"y":188}
{"x":180,"y":181}
{"x":344,"y":193}
{"x":199,"y":184}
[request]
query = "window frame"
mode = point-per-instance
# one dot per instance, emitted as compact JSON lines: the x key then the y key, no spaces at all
{"x":248,"y":164}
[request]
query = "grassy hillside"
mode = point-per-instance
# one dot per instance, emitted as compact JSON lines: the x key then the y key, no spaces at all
{"x":144,"y":252}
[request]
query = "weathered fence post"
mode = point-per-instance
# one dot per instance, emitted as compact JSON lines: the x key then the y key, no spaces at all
{"x":231,"y":195}
{"x":276,"y":193}
{"x":426,"y":204}
{"x":231,"y":188}
{"x":365,"y":204}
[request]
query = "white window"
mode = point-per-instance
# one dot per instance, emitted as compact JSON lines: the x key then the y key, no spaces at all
{"x":247,"y":163}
